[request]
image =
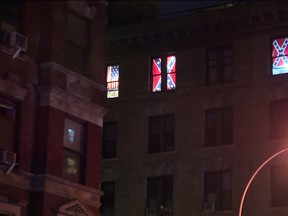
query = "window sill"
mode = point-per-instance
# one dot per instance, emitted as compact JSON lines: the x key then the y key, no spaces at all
{"x":109,"y":159}
{"x":217,"y":147}
{"x":162,"y":152}
{"x":219,"y":212}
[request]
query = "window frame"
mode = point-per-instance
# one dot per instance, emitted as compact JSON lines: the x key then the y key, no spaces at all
{"x":113,"y":183}
{"x":272,"y":58}
{"x":276,"y":200}
{"x":164,"y":132}
{"x":219,"y":127}
{"x":16,"y":23}
{"x":161,"y":192}
{"x":83,"y":67}
{"x":112,"y":82}
{"x":218,"y":190}
{"x":163,"y":73}
{"x":7,"y":104}
{"x":220,"y":64}
{"x":79,"y":153}
{"x":113,"y":141}
{"x":277,"y":121}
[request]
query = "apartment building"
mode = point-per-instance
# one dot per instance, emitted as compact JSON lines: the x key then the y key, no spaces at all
{"x":197,"y":102}
{"x":52,"y":86}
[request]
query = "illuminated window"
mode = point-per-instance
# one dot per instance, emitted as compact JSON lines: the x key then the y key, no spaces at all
{"x":161,"y":133}
{"x":279,"y":119}
{"x":112,"y":81}
{"x":219,"y":65}
{"x":160,"y":195}
{"x":279,"y":189}
{"x":108,"y":199}
{"x":109,"y":140}
{"x":218,"y":189}
{"x":7,"y":124}
{"x":279,"y":56}
{"x":219,"y":126}
{"x":163,"y":73}
{"x":73,"y":147}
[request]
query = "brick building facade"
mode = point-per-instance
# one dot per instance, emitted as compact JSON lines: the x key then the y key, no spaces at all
{"x":52,"y":86}
{"x":197,"y":102}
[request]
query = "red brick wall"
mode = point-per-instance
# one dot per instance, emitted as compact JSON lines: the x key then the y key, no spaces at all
{"x":49,"y":141}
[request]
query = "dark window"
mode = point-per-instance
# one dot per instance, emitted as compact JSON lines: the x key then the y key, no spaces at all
{"x":279,"y":120}
{"x":279,"y":56}
{"x":160,"y":195}
{"x":279,"y":189}
{"x":163,"y":73}
{"x":108,"y":199}
{"x":219,"y":127}
{"x":109,"y":148}
{"x":7,"y":124}
{"x":161,"y":133}
{"x":73,"y":151}
{"x":219,"y":65}
{"x":217,"y":189}
{"x":77,"y":38}
{"x":11,"y":13}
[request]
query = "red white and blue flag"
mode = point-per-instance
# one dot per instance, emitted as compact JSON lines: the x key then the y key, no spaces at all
{"x":171,"y":72}
{"x":157,"y":73}
{"x":112,"y":81}
{"x":279,"y":56}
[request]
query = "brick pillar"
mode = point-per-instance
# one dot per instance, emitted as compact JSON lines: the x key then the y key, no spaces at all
{"x":49,"y":141}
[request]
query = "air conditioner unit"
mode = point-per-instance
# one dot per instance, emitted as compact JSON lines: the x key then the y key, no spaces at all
{"x":7,"y":157}
{"x":15,"y":40}
{"x":209,"y":206}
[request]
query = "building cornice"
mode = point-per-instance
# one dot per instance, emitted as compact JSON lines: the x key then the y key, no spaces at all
{"x":69,"y":103}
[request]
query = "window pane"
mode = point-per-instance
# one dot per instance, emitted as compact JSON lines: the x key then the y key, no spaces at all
{"x":73,"y":135}
{"x":279,"y":120}
{"x":156,"y":69}
{"x":160,"y":193}
{"x":171,"y":64}
{"x":112,"y":81}
{"x":77,"y":58}
{"x":217,"y":189}
{"x":279,"y":56}
{"x":227,"y":73}
{"x":212,"y":75}
{"x":156,"y":75}
{"x":219,"y":126}
{"x":7,"y":124}
{"x":171,"y":81}
{"x":108,"y":199}
{"x":156,"y":83}
{"x":11,"y":12}
{"x":77,"y":30}
{"x":109,"y":140}
{"x":155,"y":131}
{"x":71,"y":166}
{"x":279,"y":189}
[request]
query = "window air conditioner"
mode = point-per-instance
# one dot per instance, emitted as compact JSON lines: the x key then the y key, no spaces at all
{"x":7,"y":157}
{"x":209,"y":206}
{"x":15,"y":40}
